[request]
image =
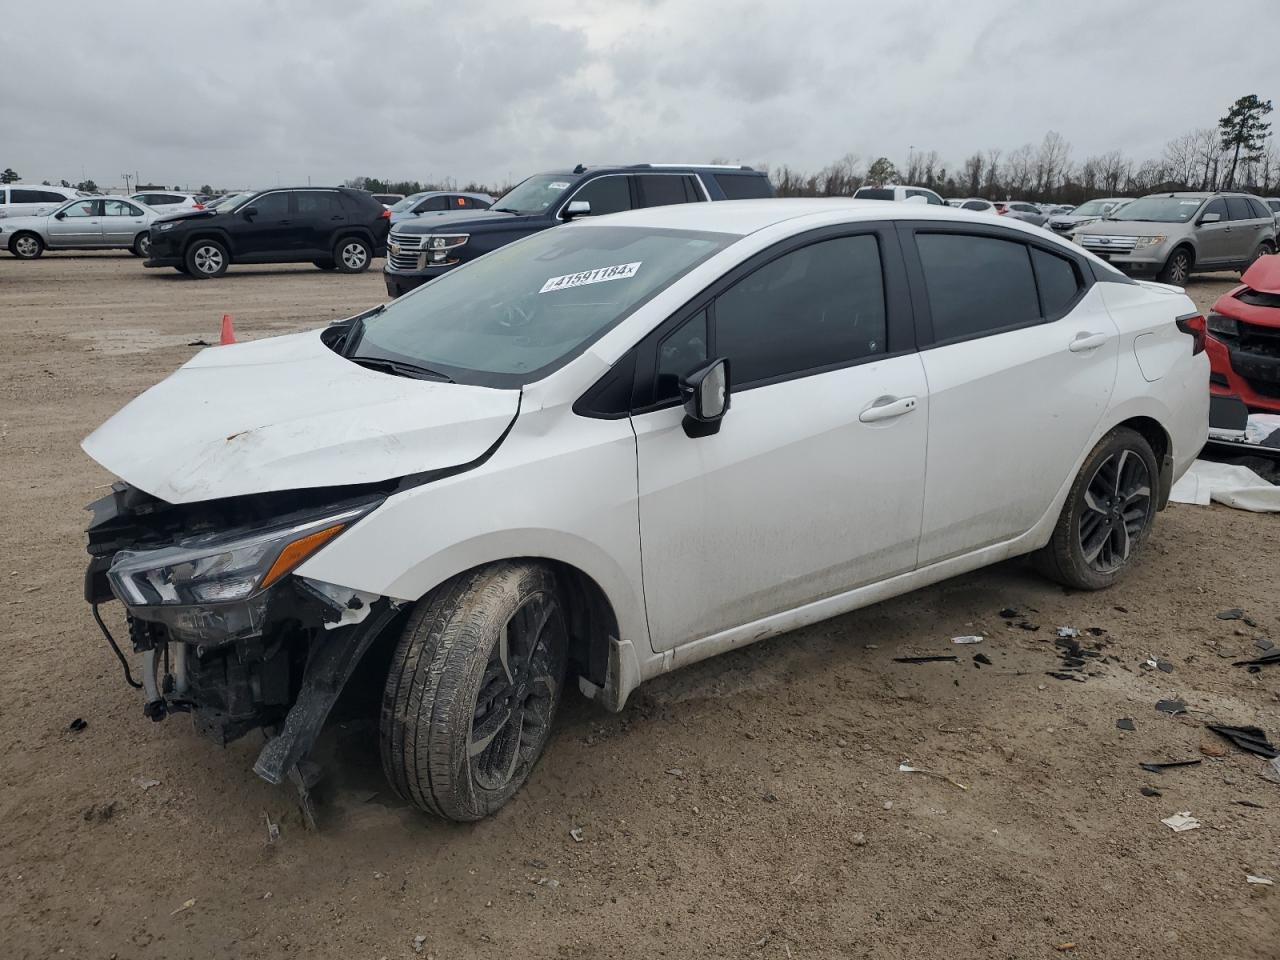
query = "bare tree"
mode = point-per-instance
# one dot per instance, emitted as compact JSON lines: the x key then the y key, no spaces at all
{"x":1051,"y":162}
{"x":1113,"y":170}
{"x":992,"y":188}
{"x":1020,"y":170}
{"x":1181,"y":159}
{"x":972,"y":173}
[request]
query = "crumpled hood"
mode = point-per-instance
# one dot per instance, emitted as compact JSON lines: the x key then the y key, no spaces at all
{"x":287,"y":413}
{"x":1263,"y":275}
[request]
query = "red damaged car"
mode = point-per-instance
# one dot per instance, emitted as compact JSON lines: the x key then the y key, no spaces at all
{"x":1244,"y":338}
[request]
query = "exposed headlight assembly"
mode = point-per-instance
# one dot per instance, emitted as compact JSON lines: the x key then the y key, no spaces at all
{"x":1224,"y":326}
{"x":1148,"y":242}
{"x":165,"y":226}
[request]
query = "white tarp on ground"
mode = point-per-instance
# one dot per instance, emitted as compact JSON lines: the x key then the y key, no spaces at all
{"x":1227,"y":483}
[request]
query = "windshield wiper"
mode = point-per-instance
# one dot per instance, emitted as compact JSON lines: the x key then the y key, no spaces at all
{"x":401,"y":369}
{"x":356,"y":331}
{"x":503,"y":210}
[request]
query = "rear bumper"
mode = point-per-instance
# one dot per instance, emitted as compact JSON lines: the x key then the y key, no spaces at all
{"x":1253,"y":377}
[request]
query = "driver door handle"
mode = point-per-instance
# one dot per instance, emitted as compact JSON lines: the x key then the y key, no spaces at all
{"x":1087,"y":341}
{"x":886,"y":408}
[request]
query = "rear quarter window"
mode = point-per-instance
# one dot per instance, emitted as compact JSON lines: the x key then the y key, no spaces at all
{"x":744,"y":186}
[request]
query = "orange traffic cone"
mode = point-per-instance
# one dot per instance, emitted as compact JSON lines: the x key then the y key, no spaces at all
{"x":228,"y":331}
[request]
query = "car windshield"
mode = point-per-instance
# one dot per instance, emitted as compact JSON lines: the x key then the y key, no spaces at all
{"x":407,"y":203}
{"x":535,"y":195}
{"x":229,"y":202}
{"x":1093,"y":208}
{"x":514,"y":315}
{"x":1158,"y":210}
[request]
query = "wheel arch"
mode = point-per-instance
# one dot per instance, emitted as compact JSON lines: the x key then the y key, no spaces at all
{"x":1154,"y":432}
{"x":44,"y":244}
{"x":219,"y":236}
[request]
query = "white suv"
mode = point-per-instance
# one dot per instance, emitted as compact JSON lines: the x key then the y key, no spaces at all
{"x":612,"y":449}
{"x":31,"y":200}
{"x":899,"y":193}
{"x":167,"y":202}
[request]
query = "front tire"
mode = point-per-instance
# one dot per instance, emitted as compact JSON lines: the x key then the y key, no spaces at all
{"x":205,"y":259}
{"x":352,"y":255}
{"x":1177,"y":268}
{"x":1265,"y":249}
{"x":474,"y":684}
{"x":1108,"y":514}
{"x":26,"y":246}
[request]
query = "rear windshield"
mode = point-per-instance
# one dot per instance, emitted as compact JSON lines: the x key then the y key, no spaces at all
{"x":512,"y":316}
{"x":744,"y":186}
{"x":873,"y":193}
{"x":1158,"y":210}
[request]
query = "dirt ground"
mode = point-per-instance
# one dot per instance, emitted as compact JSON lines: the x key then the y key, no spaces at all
{"x":750,"y":806}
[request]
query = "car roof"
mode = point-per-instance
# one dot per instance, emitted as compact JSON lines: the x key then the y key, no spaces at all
{"x":743,"y":217}
{"x":660,"y":167}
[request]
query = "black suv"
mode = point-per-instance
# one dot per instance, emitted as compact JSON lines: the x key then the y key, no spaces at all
{"x":333,"y":227}
{"x":422,"y":250}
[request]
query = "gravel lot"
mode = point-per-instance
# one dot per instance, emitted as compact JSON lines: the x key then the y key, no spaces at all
{"x":749,"y":806}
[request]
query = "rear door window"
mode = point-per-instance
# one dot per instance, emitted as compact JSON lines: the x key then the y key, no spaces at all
{"x":610,"y":194}
{"x":318,"y":203}
{"x":660,"y":190}
{"x":1058,"y":280}
{"x":119,"y":208}
{"x":1239,"y":209}
{"x":820,"y":306}
{"x":976,"y":285}
{"x":743,"y":186}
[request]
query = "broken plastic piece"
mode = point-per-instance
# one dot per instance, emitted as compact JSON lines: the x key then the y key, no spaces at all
{"x":78,"y":724}
{"x":1126,"y":723}
{"x":1259,"y":881}
{"x":967,"y":639}
{"x":1171,"y":707}
{"x":1269,"y":658}
{"x":926,"y":659}
{"x":1009,"y":613}
{"x":1162,"y":767}
{"x":1235,"y":613}
{"x":981,"y":658}
{"x":1252,"y":739}
{"x":907,"y":768}
{"x":1181,"y":822}
{"x":1068,"y":633}
{"x":1150,"y":792}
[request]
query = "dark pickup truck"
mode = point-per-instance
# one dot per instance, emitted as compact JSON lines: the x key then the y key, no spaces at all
{"x":423,"y":249}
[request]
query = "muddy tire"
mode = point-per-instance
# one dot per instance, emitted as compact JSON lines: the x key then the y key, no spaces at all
{"x":1107,"y":516}
{"x":473,"y":687}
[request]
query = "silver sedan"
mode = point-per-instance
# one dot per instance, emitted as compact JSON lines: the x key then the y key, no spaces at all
{"x":85,"y":223}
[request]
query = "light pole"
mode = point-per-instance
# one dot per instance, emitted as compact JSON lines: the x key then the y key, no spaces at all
{"x":126,"y":183}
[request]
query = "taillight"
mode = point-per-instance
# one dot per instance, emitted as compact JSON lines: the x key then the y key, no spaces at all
{"x":386,"y":214}
{"x":198,"y":206}
{"x":1193,"y":325}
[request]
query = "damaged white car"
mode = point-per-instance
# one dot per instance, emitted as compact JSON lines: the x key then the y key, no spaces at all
{"x":618,"y":447}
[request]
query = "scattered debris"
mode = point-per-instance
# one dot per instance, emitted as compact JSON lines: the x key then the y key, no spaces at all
{"x":1169,"y":765}
{"x":273,"y":829}
{"x":419,"y":943}
{"x":1269,"y":658}
{"x":1028,"y":625}
{"x":1095,"y":631}
{"x":1212,"y":749}
{"x":967,"y":639}
{"x":1150,"y":792}
{"x":859,"y":840}
{"x":907,"y":768}
{"x":1068,"y":633}
{"x":1235,"y":613}
{"x":576,"y":833}
{"x":888,"y":804}
{"x":1262,"y":643}
{"x":1271,"y":770}
{"x":1064,"y":947}
{"x":186,"y":905}
{"x":146,"y":783}
{"x":78,"y":724}
{"x":1249,"y":803}
{"x":676,"y":772}
{"x":1259,"y":881}
{"x":1252,"y":739}
{"x":926,"y":659}
{"x":1061,"y":675}
{"x":1181,"y":822}
{"x":981,"y":659}
{"x":101,"y":811}
{"x":549,"y":882}
{"x":1008,"y":613}
{"x":770,"y":797}
{"x":1126,"y":723}
{"x":199,"y":342}
{"x":1171,"y":707}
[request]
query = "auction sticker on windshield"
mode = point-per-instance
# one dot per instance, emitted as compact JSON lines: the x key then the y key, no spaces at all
{"x":619,"y":272}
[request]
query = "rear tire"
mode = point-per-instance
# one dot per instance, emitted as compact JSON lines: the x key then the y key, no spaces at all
{"x":473,"y":687}
{"x":205,"y":259}
{"x":1107,"y":516}
{"x":141,"y":245}
{"x":352,"y":255}
{"x":1265,"y":249}
{"x":26,"y":246}
{"x":1177,"y":268}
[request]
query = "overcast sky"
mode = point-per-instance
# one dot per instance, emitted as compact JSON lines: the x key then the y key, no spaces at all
{"x":258,"y":92}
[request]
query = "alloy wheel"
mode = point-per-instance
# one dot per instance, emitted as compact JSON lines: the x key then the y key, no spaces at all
{"x":27,"y":246}
{"x":517,"y":694}
{"x":1178,"y":268}
{"x":208,"y":259}
{"x":1117,"y":502}
{"x":355,"y":256}
{"x":144,"y":245}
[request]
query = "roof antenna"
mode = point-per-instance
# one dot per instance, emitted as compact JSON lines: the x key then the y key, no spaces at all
{"x":579,"y":169}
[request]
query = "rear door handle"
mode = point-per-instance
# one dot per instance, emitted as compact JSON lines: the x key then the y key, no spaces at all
{"x":886,"y":408}
{"x":1087,"y":341}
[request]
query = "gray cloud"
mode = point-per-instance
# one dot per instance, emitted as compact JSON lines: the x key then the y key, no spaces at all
{"x":488,"y":90}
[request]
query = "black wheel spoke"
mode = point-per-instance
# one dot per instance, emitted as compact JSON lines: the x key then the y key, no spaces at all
{"x":1116,"y":503}
{"x":483,"y":733}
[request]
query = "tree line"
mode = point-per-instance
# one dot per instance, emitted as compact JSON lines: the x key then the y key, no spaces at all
{"x":1238,"y":154}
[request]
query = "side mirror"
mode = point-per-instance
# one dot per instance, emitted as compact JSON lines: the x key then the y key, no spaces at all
{"x":577,"y":208}
{"x":706,"y":398}
{"x":60,"y":215}
{"x":249,"y":213}
{"x":1211,"y":218}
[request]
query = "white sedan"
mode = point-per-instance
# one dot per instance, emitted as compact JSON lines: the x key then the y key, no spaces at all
{"x":613,"y":449}
{"x":85,"y":223}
